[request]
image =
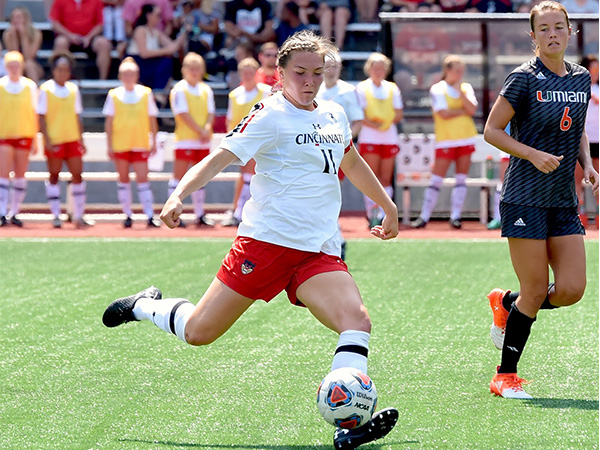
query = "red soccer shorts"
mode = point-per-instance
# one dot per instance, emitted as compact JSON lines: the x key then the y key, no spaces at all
{"x":133,"y":156}
{"x":383,"y":150}
{"x":65,"y":151}
{"x":18,"y":144}
{"x":194,"y":155}
{"x":259,"y":270}
{"x":453,"y":153}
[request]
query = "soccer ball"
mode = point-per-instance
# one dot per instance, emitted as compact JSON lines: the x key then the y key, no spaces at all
{"x":347,"y":398}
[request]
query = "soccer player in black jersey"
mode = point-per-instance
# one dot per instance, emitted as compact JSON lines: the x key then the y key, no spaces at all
{"x":545,"y":100}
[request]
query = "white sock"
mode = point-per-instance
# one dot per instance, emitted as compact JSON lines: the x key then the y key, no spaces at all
{"x":459,"y":194}
{"x":124,"y":195}
{"x":370,"y":207}
{"x":198,"y":201}
{"x":171,"y":185}
{"x":431,"y":197}
{"x":242,"y":199}
{"x":352,"y":350}
{"x":169,"y":314}
{"x":146,"y":199}
{"x":19,"y":188}
{"x":53,"y":196}
{"x":497,"y":201}
{"x":78,"y":193}
{"x":4,"y":190}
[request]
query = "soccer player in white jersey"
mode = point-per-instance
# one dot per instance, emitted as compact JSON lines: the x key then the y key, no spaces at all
{"x":288,"y":239}
{"x":546,"y":101}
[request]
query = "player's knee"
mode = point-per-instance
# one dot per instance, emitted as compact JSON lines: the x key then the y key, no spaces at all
{"x":569,"y":294}
{"x":196,"y":337}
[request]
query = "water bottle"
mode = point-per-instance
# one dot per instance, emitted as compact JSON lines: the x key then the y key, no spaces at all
{"x":489,"y":168}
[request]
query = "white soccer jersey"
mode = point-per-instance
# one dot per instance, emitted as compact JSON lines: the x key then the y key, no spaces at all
{"x":343,"y":93}
{"x":60,"y":92}
{"x":295,"y":195}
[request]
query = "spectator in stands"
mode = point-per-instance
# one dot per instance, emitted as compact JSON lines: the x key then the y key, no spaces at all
{"x":453,"y":104}
{"x":382,"y":104}
{"x":308,"y":11}
{"x":132,"y":9}
{"x":590,"y":62}
{"x":248,"y":19}
{"x":334,"y":16}
{"x":59,"y":108}
{"x":267,"y":73}
{"x":243,"y":50}
{"x":2,"y":68}
{"x":290,"y":22}
{"x":240,"y":102}
{"x":410,"y":6}
{"x":490,"y":6}
{"x":453,"y":5}
{"x":581,"y":6}
{"x":201,"y":25}
{"x":193,"y":105}
{"x":18,"y":129}
{"x":131,"y":129}
{"x":114,"y":24}
{"x":367,"y":10}
{"x":78,"y":27}
{"x":152,"y":49}
{"x":20,"y":36}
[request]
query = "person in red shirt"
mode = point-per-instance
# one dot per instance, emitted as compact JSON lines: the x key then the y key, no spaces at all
{"x":267,"y":72}
{"x":78,"y":27}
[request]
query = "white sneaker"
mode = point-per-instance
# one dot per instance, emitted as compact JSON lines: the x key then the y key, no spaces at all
{"x":509,"y":385}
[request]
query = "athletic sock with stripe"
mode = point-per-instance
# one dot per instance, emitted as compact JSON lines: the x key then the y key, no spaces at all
{"x":169,"y":314}
{"x":352,"y":350}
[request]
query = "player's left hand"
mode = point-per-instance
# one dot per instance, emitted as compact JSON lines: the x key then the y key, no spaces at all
{"x":591,"y":176}
{"x":387,"y":230}
{"x":171,"y":212}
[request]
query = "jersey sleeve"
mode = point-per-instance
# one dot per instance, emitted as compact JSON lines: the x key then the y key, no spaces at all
{"x":353,"y":110}
{"x":254,"y":133}
{"x":210,"y":101}
{"x":397,"y":97}
{"x":152,"y":108}
{"x":515,"y":89}
{"x":470,"y":93}
{"x":78,"y":102}
{"x":438,"y":98}
{"x":180,"y":104}
{"x":109,"y":106}
{"x":42,"y":103}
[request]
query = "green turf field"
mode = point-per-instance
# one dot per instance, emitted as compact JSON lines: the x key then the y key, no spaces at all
{"x":69,"y":383}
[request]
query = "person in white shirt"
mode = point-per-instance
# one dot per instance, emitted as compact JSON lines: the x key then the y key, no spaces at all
{"x":288,"y":239}
{"x":59,"y":109}
{"x":131,"y":129}
{"x":378,"y":137}
{"x":193,"y":105}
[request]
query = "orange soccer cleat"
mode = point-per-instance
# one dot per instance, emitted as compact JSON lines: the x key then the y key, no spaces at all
{"x":509,"y":385}
{"x":500,"y":315}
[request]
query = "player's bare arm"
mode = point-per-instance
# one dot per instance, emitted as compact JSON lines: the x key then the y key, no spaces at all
{"x":589,"y":173}
{"x":195,"y":178}
{"x":361,"y":176}
{"x":495,"y":134}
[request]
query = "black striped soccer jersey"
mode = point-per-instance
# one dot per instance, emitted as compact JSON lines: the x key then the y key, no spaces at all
{"x":550,"y":114}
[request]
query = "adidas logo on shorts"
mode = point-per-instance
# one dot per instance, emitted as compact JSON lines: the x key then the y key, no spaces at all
{"x":519,"y":223}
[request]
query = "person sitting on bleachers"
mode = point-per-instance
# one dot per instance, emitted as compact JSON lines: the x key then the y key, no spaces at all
{"x":410,"y":6}
{"x":490,"y":6}
{"x":20,"y":36}
{"x":200,"y":24}
{"x":78,"y":25}
{"x":133,"y":8}
{"x":334,"y":16}
{"x":290,"y":22}
{"x":152,"y":49}
{"x":267,"y":73}
{"x":114,"y":24}
{"x":248,"y":19}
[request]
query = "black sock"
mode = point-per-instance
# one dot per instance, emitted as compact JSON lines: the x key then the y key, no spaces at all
{"x":509,"y":299}
{"x":518,"y":327}
{"x":547,"y":304}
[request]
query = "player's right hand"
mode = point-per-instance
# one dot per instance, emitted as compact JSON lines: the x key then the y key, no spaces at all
{"x":171,"y":212}
{"x":545,"y":162}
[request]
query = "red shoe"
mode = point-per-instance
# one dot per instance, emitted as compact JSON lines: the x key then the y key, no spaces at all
{"x":509,"y":385}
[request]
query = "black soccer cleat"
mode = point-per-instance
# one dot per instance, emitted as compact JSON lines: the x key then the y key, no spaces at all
{"x":380,"y":425}
{"x":121,"y":310}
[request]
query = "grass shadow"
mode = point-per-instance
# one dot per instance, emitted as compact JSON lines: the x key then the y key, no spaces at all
{"x":563,"y":403}
{"x":374,"y":446}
